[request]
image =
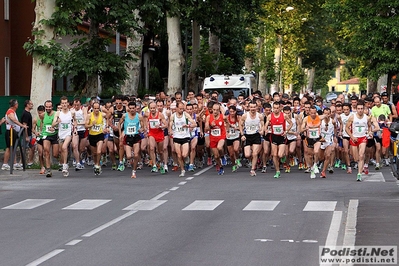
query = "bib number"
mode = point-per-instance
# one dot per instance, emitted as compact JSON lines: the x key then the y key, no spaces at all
{"x":278,"y":130}
{"x":131,"y":130}
{"x":154,"y":123}
{"x":49,"y":129}
{"x":314,"y":133}
{"x":95,"y":128}
{"x":64,"y":126}
{"x":216,"y":132}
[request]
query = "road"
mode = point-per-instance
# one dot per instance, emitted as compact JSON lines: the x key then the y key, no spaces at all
{"x":202,"y":219}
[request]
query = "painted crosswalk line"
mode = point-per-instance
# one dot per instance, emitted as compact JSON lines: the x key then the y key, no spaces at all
{"x":145,"y":205}
{"x":28,"y":204}
{"x":261,"y":205}
{"x":86,"y":204}
{"x":203,"y":205}
{"x":319,"y":206}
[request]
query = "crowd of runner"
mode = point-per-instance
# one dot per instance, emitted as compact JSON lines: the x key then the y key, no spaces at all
{"x":266,"y":133}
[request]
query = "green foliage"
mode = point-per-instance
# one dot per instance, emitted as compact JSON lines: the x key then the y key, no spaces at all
{"x":207,"y":66}
{"x":155,"y":80}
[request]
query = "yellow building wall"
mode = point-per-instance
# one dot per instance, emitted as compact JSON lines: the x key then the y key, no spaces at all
{"x":353,"y":88}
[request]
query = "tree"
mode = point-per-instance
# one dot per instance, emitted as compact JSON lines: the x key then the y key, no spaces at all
{"x":368,"y":32}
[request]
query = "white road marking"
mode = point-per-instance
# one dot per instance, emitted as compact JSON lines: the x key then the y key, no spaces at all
{"x":160,"y":195}
{"x":145,"y":205}
{"x":264,"y":240}
{"x":86,"y":204}
{"x":73,"y":242}
{"x":190,"y":178}
{"x":309,"y":241}
{"x":203,"y":170}
{"x":350,"y":228}
{"x":106,"y":225}
{"x":287,"y":240}
{"x":174,"y":188}
{"x":28,"y":204}
{"x":45,"y":257}
{"x":261,"y":205}
{"x":374,"y":177}
{"x":319,"y":206}
{"x":182,"y":183}
{"x":203,"y":205}
{"x":334,"y":229}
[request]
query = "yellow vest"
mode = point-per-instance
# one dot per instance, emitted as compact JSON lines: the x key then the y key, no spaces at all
{"x":98,"y":126}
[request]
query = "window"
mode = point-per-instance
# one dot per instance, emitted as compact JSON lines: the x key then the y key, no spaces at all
{"x":6,"y":9}
{"x":7,"y":76}
{"x":332,"y":88}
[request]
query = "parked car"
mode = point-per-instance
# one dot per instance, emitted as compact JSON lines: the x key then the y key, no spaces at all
{"x":331,"y":96}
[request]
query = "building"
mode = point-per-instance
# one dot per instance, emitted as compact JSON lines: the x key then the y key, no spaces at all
{"x":15,"y":29}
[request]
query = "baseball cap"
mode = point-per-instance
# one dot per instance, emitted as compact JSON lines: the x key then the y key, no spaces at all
{"x":384,"y":94}
{"x":285,"y":95}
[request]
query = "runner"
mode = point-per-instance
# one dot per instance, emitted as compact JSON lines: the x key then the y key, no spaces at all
{"x":95,"y":122}
{"x":251,"y":128}
{"x":233,"y":138}
{"x":50,"y":136}
{"x":277,"y":121}
{"x":79,"y":140}
{"x":63,"y":120}
{"x":179,"y":125}
{"x":194,"y":134}
{"x":133,"y":125}
{"x":217,"y":124}
{"x":156,"y":125}
{"x":328,"y":131}
{"x":343,"y":119}
{"x":358,"y":127}
{"x":292,"y":136}
{"x":267,"y":109}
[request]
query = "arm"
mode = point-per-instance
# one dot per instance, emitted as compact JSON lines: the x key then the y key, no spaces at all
{"x":288,"y":119}
{"x":241,"y":124}
{"x":207,"y":127}
{"x":56,"y":119}
{"x":348,"y":126}
{"x":262,"y":124}
{"x":120,"y":124}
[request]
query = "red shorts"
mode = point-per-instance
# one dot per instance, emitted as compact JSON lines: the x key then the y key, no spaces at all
{"x":213,"y":142}
{"x":358,"y":142}
{"x":158,"y":137}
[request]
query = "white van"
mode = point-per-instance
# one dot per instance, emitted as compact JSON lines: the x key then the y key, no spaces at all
{"x":230,"y":85}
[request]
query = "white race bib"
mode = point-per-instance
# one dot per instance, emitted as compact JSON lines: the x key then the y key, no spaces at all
{"x":154,"y":123}
{"x":49,"y":129}
{"x":131,"y":130}
{"x":216,"y":132}
{"x":278,"y":129}
{"x":314,"y":133}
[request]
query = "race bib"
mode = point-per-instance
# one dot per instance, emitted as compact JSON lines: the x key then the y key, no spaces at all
{"x":131,"y":130}
{"x":154,"y":123}
{"x":116,"y":123}
{"x":64,"y":126}
{"x":360,"y":129}
{"x":278,"y":129}
{"x":314,"y":133}
{"x":95,"y":128}
{"x":180,"y":129}
{"x":216,"y":132}
{"x":49,"y":129}
{"x":251,"y":129}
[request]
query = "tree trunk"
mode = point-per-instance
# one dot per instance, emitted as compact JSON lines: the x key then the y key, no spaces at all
{"x":311,"y":76}
{"x":134,"y":46}
{"x":42,"y":74}
{"x":214,"y":48}
{"x":371,"y":86}
{"x":262,"y":82}
{"x":91,"y":86}
{"x":192,"y":79}
{"x":175,"y":54}
{"x":277,"y":65}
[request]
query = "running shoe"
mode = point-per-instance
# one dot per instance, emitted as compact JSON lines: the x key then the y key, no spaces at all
{"x":284,"y":159}
{"x":343,"y":167}
{"x":234,"y":168}
{"x":277,"y":175}
{"x":183,"y":172}
{"x":121,"y":167}
{"x":316,"y":169}
{"x":308,"y":170}
{"x":349,"y":171}
{"x":224,"y":162}
{"x":252,"y":172}
{"x":162,"y":169}
{"x":366,"y":170}
{"x":191,"y":168}
{"x":386,"y":162}
{"x":175,"y":168}
{"x":355,"y":166}
{"x":5,"y":167}
{"x":154,"y":169}
{"x":337,"y":163}
{"x":221,"y":171}
{"x":359,"y":177}
{"x":238,"y":162}
{"x":78,"y":167}
{"x":18,"y":166}
{"x":312,"y":174}
{"x":74,"y":162}
{"x":377,"y":166}
{"x":139,"y":165}
{"x":323,"y":174}
{"x":288,"y":169}
{"x":330,"y":169}
{"x":42,"y":171}
{"x":165,"y":167}
{"x":133,"y":174}
{"x":373,"y":162}
{"x":300,"y":166}
{"x":114,"y":167}
{"x":49,"y":173}
{"x":264,"y":169}
{"x":209,"y":161}
{"x":292,"y":161}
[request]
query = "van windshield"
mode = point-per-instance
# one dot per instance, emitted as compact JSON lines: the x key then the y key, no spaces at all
{"x":227,"y":93}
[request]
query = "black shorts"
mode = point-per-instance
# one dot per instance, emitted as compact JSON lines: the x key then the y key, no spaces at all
{"x":14,"y":138}
{"x":130,"y":140}
{"x":229,"y":142}
{"x":94,"y":139}
{"x":290,"y":140}
{"x":39,"y":141}
{"x":378,"y":140}
{"x":370,"y":143}
{"x":181,"y":141}
{"x":267,"y":137}
{"x":53,"y":139}
{"x":252,"y":139}
{"x":311,"y":142}
{"x":82,"y":134}
{"x":347,"y":138}
{"x":277,"y":139}
{"x":201,"y":141}
{"x":166,"y":132}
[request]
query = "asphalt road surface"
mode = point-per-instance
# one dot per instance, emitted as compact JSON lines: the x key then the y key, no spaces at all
{"x":201,"y":219}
